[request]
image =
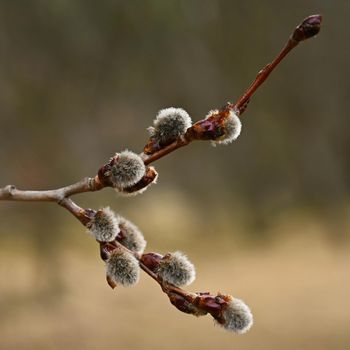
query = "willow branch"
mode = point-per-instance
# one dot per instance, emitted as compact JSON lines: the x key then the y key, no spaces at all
{"x":308,"y":28}
{"x":10,"y":192}
{"x":199,"y":131}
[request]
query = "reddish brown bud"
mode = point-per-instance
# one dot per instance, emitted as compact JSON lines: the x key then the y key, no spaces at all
{"x":152,"y":146}
{"x":308,"y":28}
{"x":184,"y":305}
{"x":110,"y":282}
{"x":104,"y":174}
{"x":106,"y":250}
{"x":151,"y":260}
{"x":211,"y":304}
{"x":210,"y":128}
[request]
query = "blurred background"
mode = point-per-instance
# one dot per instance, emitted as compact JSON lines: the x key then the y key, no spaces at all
{"x":266,"y":219}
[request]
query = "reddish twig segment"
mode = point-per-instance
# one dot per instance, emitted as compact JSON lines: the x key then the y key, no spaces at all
{"x":307,"y":29}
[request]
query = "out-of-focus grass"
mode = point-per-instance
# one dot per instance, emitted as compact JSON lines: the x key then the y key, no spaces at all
{"x":297,"y":287}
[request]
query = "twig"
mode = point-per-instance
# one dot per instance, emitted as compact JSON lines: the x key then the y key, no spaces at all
{"x":10,"y":192}
{"x":307,"y":29}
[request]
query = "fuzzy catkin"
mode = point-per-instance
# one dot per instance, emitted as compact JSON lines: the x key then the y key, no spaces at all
{"x":127,"y":170}
{"x":170,"y":124}
{"x":175,"y":268}
{"x":232,"y":129}
{"x":238,"y":317}
{"x":131,"y":237}
{"x":131,"y":192}
{"x":123,"y":268}
{"x":104,"y":226}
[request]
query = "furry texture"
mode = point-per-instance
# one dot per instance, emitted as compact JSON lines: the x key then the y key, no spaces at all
{"x":170,"y":124}
{"x":123,"y":268}
{"x":238,"y":317}
{"x":128,"y":170}
{"x":125,"y":193}
{"x":233,"y":127}
{"x":104,"y":226}
{"x":131,"y":237}
{"x":175,"y":268}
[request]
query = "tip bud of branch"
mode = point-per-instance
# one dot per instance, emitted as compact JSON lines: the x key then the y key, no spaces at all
{"x":308,"y":28}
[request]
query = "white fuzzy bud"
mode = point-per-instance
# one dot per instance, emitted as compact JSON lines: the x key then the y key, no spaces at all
{"x":237,"y":317}
{"x":130,"y":236}
{"x":127,"y":170}
{"x":175,"y":268}
{"x":148,"y":179}
{"x":170,"y":124}
{"x":104,"y":226}
{"x":123,"y":268}
{"x":232,"y":126}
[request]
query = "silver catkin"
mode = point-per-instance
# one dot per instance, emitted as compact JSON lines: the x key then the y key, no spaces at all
{"x":233,"y":128}
{"x":104,"y":226}
{"x":131,"y":237}
{"x":128,"y":169}
{"x":170,"y":124}
{"x":238,"y":317}
{"x":123,"y":268}
{"x":175,"y":268}
{"x":125,"y":193}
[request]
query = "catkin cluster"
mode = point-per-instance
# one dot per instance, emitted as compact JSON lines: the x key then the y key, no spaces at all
{"x":122,"y":244}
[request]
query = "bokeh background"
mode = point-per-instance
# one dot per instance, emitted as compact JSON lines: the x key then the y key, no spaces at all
{"x":266,"y":219}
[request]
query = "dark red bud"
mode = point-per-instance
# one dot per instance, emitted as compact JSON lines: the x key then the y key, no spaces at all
{"x":308,"y":28}
{"x":106,"y":249}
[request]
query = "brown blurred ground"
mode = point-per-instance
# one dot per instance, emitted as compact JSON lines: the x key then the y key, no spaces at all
{"x":266,"y":219}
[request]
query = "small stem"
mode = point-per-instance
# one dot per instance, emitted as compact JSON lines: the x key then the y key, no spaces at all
{"x":182,"y":141}
{"x":75,"y":210}
{"x":308,"y":28}
{"x":242,"y":102}
{"x":87,"y":184}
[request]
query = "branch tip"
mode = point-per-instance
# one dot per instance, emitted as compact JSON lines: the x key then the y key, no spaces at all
{"x":308,"y":28}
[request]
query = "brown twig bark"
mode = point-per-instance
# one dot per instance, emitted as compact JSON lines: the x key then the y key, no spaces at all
{"x":307,"y":29}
